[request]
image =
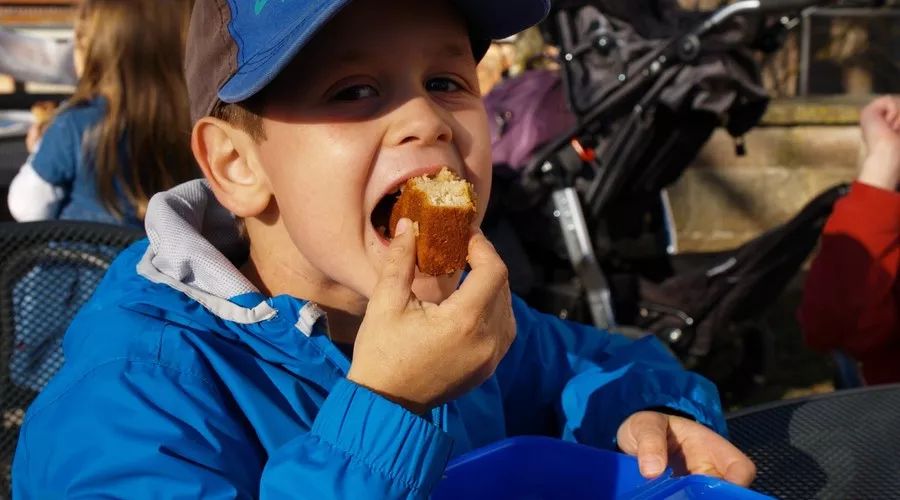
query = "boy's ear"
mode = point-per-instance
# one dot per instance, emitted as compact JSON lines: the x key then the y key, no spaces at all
{"x":227,"y":157}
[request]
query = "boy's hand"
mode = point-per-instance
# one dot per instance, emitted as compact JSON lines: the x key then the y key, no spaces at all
{"x":420,"y":355}
{"x":656,"y":439}
{"x":880,"y":123}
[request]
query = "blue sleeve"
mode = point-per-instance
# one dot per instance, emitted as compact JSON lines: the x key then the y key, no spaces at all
{"x":588,"y":381}
{"x":59,"y":153}
{"x":360,"y":446}
{"x":150,"y":432}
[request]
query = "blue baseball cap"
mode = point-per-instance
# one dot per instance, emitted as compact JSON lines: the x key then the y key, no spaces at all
{"x":237,"y":47}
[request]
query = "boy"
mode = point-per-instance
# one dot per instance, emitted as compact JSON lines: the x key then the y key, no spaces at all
{"x":198,"y":371}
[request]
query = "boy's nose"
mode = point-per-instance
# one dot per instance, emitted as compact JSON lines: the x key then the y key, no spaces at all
{"x":419,"y":120}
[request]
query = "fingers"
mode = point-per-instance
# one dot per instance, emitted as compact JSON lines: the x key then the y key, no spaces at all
{"x":700,"y":457}
{"x":890,"y":110}
{"x":705,"y":452}
{"x":894,"y":118}
{"x":645,"y":434}
{"x":486,"y":281}
{"x":719,"y":458}
{"x":652,"y":447}
{"x":883,"y":107}
{"x":392,"y":291}
{"x":741,"y":471}
{"x":648,"y":435}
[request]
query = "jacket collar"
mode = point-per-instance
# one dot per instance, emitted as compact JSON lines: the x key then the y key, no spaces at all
{"x":195,"y":247}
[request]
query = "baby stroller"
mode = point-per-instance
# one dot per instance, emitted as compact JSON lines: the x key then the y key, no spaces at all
{"x":583,"y":221}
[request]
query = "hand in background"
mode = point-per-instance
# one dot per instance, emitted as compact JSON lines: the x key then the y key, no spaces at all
{"x":35,"y":132}
{"x":880,"y":123}
{"x":420,"y":355}
{"x":658,"y":439}
{"x":43,"y":112}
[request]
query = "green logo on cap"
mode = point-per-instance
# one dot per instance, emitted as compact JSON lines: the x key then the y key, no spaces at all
{"x":260,"y":4}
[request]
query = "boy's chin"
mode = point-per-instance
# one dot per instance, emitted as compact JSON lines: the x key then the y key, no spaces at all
{"x":435,"y":289}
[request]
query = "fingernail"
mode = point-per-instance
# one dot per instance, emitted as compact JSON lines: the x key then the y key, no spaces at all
{"x":652,"y":466}
{"x":402,"y":226}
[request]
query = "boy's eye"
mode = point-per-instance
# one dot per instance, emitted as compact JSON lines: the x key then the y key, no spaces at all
{"x":442,"y":85}
{"x":355,"y":93}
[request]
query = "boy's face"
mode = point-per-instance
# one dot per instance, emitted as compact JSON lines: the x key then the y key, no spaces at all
{"x":387,"y":91}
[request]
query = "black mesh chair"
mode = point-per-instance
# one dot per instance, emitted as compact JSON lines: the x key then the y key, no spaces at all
{"x":828,"y":446}
{"x":48,"y":270}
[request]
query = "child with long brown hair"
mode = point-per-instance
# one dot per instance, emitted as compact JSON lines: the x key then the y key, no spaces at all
{"x":124,"y":134}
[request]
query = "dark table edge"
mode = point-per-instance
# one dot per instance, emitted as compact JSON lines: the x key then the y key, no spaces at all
{"x":805,"y":399}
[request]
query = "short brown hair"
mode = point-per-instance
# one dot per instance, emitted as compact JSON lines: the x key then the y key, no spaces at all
{"x":242,"y":115}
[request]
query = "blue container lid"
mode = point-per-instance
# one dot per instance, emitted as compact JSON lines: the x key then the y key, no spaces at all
{"x":540,"y":468}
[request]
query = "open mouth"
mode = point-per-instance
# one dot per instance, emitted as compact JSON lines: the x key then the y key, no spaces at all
{"x":381,"y":215}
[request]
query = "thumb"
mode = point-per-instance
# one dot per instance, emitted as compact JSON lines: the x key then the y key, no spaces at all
{"x":393,"y":289}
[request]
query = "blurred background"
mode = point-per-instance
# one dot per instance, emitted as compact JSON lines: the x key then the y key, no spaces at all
{"x":830,"y":64}
{"x":48,"y":19}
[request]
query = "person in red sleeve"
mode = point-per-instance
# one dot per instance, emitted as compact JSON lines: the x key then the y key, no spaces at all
{"x":852,"y":293}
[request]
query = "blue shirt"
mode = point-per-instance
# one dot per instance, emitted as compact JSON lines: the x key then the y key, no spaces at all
{"x":65,"y":159}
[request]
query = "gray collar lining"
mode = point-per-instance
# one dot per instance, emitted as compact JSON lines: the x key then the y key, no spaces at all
{"x":191,"y":238}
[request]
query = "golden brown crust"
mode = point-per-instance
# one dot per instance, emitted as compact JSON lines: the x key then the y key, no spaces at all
{"x":443,"y":240}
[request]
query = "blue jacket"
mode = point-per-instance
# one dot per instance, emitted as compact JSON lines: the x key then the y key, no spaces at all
{"x":182,"y":381}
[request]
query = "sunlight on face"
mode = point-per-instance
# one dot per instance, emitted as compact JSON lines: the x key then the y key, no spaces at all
{"x":385,"y":92}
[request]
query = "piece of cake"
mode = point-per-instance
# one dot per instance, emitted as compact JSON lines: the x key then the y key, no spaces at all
{"x":443,"y":208}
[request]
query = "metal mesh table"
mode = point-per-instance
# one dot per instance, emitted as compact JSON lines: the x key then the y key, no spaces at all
{"x":839,"y":445}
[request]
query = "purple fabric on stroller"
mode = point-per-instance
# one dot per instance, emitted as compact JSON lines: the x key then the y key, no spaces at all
{"x":524,"y":113}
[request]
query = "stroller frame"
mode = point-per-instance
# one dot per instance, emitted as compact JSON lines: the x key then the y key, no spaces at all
{"x":646,"y":81}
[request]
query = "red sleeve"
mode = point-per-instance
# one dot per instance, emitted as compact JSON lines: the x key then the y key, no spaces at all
{"x":850,"y":299}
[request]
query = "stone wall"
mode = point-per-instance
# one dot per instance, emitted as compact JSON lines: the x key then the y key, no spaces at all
{"x":801,"y":148}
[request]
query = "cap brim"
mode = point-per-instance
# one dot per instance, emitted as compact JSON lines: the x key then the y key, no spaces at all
{"x":260,"y":69}
{"x":496,"y":19}
{"x":487,"y":20}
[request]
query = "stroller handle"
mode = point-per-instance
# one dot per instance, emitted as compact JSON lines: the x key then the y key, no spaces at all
{"x":786,"y":5}
{"x":747,"y":6}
